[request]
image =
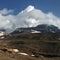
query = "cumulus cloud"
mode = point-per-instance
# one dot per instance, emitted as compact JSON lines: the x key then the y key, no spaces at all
{"x":33,"y":17}
{"x":5,"y":11}
{"x":30,"y":17}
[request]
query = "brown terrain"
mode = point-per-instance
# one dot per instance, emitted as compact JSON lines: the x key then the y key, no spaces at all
{"x":34,"y":45}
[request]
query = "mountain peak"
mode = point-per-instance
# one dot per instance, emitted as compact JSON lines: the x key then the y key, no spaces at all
{"x":29,"y":8}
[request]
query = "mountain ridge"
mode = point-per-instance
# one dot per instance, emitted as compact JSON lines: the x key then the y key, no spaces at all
{"x":43,"y":28}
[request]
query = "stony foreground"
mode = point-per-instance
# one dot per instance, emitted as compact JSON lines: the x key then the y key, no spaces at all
{"x":28,"y":46}
{"x":9,"y":56}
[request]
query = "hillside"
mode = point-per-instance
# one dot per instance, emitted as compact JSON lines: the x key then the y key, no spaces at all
{"x":32,"y":44}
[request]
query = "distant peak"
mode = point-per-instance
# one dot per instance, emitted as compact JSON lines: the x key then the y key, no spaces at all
{"x":29,"y":8}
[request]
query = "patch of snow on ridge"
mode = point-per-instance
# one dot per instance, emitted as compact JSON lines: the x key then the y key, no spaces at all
{"x":34,"y":31}
{"x":52,"y":31}
{"x":2,"y":33}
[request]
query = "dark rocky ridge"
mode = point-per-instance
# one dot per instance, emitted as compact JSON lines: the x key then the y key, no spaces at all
{"x":42,"y":28}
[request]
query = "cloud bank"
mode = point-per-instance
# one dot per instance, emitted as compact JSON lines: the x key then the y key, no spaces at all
{"x":30,"y":17}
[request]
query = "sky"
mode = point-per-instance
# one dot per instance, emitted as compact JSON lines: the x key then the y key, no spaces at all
{"x":19,"y":5}
{"x":28,"y":13}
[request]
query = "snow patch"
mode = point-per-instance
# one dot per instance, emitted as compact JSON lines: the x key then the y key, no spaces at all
{"x":2,"y":37}
{"x":15,"y":50}
{"x":32,"y":55}
{"x":23,"y":54}
{"x":2,"y":33}
{"x":34,"y":31}
{"x":52,"y":31}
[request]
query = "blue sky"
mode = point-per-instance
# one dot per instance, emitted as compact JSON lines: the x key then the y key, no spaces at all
{"x":44,"y":5}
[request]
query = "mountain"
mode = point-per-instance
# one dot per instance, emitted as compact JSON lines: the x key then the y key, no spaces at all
{"x":43,"y":28}
{"x":47,"y":28}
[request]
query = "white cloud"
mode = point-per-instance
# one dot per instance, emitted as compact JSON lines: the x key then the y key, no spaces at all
{"x":36,"y":17}
{"x":29,"y":17}
{"x":5,"y":11}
